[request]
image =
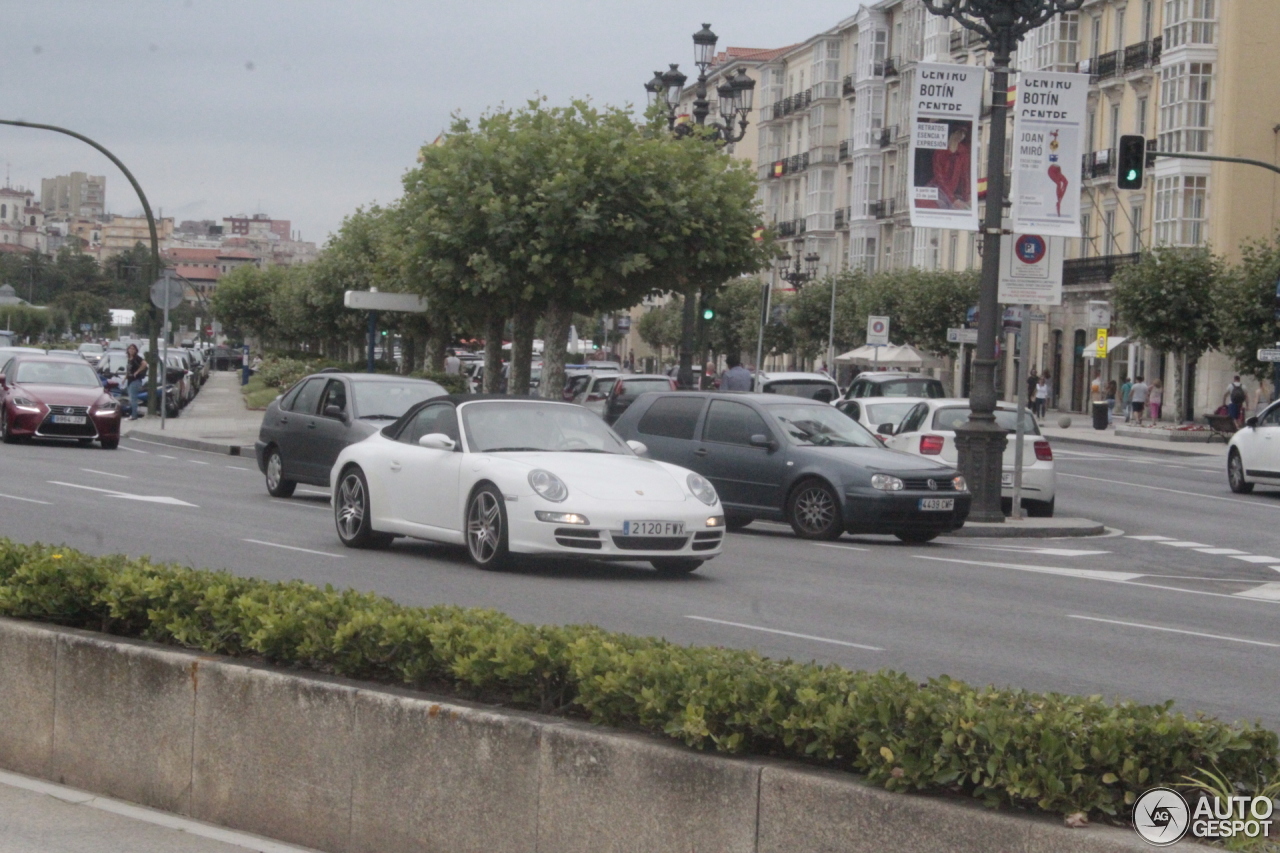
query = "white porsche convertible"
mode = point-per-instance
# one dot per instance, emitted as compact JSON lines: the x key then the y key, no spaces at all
{"x":514,"y":475}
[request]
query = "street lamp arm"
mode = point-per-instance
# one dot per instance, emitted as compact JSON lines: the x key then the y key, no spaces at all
{"x":146,"y":208}
{"x":992,"y":18}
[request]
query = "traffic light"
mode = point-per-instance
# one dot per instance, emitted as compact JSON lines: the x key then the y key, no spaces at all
{"x":708,"y":313}
{"x":1132,"y":162}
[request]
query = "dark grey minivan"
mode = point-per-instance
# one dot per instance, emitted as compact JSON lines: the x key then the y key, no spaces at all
{"x":800,"y":461}
{"x":306,"y":427}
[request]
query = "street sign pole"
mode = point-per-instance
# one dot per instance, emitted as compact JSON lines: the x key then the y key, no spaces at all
{"x":373,"y":336}
{"x":1019,"y":431}
{"x":164,"y":350}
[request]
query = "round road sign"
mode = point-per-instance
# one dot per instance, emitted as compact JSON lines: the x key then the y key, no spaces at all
{"x":1030,"y":248}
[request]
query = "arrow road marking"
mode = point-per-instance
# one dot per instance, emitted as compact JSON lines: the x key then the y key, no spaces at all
{"x":1266,"y":592}
{"x":1175,"y":631}
{"x":114,"y":493}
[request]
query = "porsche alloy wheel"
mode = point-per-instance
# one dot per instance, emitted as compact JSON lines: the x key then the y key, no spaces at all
{"x":814,"y":511}
{"x":1235,"y":474}
{"x":487,"y":529}
{"x":351,"y":513}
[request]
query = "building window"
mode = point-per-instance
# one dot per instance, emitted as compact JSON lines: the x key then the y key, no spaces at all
{"x":1086,"y":237}
{"x":1140,"y":126}
{"x":1135,"y":233}
{"x":1095,"y":39}
{"x":1108,"y":232}
{"x":1189,"y":22}
{"x":1055,"y":43}
{"x":1120,"y":28}
{"x":1148,"y":19}
{"x":1186,"y":106}
{"x":1181,"y":210}
{"x":1115,"y":126}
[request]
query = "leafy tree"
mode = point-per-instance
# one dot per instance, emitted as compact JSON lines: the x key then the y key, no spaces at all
{"x":1167,"y":299}
{"x":660,"y":327}
{"x":243,"y":303}
{"x":1244,"y":303}
{"x":736,"y":328}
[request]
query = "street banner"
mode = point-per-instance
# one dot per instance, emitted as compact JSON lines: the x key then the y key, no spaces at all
{"x":878,"y":331}
{"x":946,"y":102}
{"x":1048,"y":137}
{"x":1030,"y":270}
{"x":1102,"y":343}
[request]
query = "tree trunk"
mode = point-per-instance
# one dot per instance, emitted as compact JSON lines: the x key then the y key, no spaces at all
{"x":408,"y":349}
{"x":437,"y":343}
{"x":522,"y":326}
{"x":494,"y":325}
{"x":554,"y":349}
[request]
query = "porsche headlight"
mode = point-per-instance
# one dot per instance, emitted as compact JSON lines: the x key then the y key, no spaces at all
{"x":701,"y":489}
{"x":548,"y":485}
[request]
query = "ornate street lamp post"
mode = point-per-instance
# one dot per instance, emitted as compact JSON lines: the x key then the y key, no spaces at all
{"x":798,"y":276}
{"x":980,"y":442}
{"x":735,"y":97}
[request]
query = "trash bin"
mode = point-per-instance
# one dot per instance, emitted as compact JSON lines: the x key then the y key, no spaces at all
{"x":1100,"y":414}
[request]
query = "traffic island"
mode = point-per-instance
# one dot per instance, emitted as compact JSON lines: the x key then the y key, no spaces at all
{"x":1031,"y":528}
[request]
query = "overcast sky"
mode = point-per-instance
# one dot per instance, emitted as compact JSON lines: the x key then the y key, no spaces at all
{"x":304,"y":109}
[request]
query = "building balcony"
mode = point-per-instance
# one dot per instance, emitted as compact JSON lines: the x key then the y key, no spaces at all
{"x":1098,"y":164}
{"x":844,"y":215}
{"x":882,"y":209}
{"x":888,"y":136}
{"x":891,"y":66}
{"x":787,"y":228}
{"x":846,"y":85}
{"x":845,"y":150}
{"x":827,"y":90}
{"x":798,"y":226}
{"x":1141,"y":56}
{"x":1097,"y":270}
{"x":777,"y":168}
{"x":878,"y":68}
{"x":957,"y":41}
{"x":822,"y":154}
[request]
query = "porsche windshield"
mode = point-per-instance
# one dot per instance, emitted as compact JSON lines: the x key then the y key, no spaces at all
{"x":500,"y":427}
{"x":821,"y":426}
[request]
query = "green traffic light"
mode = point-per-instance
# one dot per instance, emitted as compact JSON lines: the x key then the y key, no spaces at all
{"x":1133,"y":175}
{"x":708,"y":313}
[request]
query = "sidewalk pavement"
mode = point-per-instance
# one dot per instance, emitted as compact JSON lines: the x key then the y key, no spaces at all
{"x":216,"y":420}
{"x":1081,"y":431}
{"x":41,"y":817}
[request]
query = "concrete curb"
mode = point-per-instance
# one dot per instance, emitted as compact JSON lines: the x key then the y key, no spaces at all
{"x":1168,"y":451}
{"x":190,"y":443}
{"x":1031,"y":528}
{"x":344,"y":766}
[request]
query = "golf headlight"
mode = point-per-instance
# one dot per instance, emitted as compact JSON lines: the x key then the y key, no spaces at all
{"x":548,"y":485}
{"x":702,"y":490}
{"x":26,"y":403}
{"x":886,"y":483}
{"x":958,"y":483}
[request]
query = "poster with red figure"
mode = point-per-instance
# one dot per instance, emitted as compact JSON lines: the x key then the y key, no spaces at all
{"x":1049,"y":118}
{"x":945,"y":105}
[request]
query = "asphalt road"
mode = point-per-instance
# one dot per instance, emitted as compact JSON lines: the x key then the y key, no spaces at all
{"x":1181,"y":601}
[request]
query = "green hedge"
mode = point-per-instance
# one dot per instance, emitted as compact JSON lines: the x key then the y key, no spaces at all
{"x":1049,"y":751}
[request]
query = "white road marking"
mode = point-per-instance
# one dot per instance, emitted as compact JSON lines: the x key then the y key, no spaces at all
{"x":1184,"y":544}
{"x":1115,"y":577}
{"x":312,"y":492}
{"x":1218,"y":550}
{"x":114,"y":493}
{"x":104,"y":473}
{"x":1150,"y":538}
{"x":1029,"y":549}
{"x":786,"y":633}
{"x":145,"y":815}
{"x":295,"y":548}
{"x":1176,"y":631}
{"x":133,"y":450}
{"x":162,"y":456}
{"x":26,"y":500}
{"x":1253,"y":558}
{"x":1173,"y":491}
{"x":237,"y":468}
{"x":197,"y":462}
{"x":840,"y":547}
{"x":1266,"y":592}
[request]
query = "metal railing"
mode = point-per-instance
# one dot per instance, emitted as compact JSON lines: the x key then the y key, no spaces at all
{"x":1095,"y":270}
{"x":957,"y":41}
{"x":1098,"y":164}
{"x":888,"y":135}
{"x":1104,"y":67}
{"x":883,"y":208}
{"x":844,"y":150}
{"x":891,"y":66}
{"x":846,"y":85}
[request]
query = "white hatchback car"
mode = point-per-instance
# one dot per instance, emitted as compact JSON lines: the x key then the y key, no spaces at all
{"x":1253,"y":454}
{"x":876,"y":413}
{"x":928,"y":429}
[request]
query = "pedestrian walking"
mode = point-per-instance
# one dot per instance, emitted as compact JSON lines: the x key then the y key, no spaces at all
{"x":135,"y":372}
{"x":737,"y":377}
{"x":1125,"y":390}
{"x":452,"y":364}
{"x":1033,"y":379}
{"x":1042,"y":396}
{"x":1095,"y":387}
{"x":1236,"y":399}
{"x":1155,"y":398}
{"x":1110,"y":399}
{"x":1138,"y":399}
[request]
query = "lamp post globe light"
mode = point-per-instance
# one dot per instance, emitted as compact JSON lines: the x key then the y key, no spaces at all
{"x":734,"y":100}
{"x":980,"y":443}
{"x":796,"y":275}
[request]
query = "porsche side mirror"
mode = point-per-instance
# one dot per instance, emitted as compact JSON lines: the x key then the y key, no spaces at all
{"x":639,"y":447}
{"x":437,"y":441}
{"x":1252,"y":422}
{"x":885,"y":429}
{"x":333,"y":412}
{"x":763,"y":441}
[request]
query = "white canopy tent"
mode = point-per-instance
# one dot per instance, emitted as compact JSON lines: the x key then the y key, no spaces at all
{"x":891,"y":355}
{"x":1113,"y":344}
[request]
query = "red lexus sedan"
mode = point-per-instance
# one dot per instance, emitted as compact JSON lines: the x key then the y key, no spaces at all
{"x":56,"y":398}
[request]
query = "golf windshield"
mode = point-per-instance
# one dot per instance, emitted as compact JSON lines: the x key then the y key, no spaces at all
{"x":390,"y":400}
{"x":497,"y":427}
{"x":56,"y":373}
{"x":821,"y":426}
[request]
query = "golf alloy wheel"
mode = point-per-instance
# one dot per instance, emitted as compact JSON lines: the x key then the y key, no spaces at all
{"x":815,"y":512}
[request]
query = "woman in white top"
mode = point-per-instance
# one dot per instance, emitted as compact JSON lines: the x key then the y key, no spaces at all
{"x":1042,"y":396}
